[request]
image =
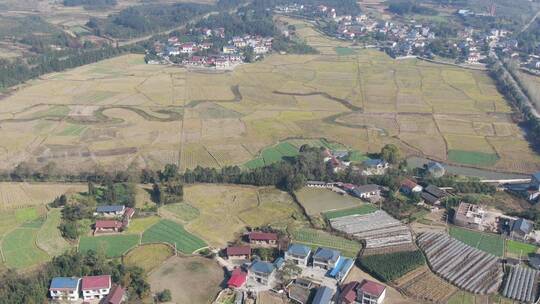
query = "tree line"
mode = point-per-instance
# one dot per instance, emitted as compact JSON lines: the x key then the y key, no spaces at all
{"x":510,"y":88}
{"x":19,"y":71}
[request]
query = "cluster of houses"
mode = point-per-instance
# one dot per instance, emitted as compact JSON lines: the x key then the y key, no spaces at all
{"x":91,"y":289}
{"x":231,"y":55}
{"x":323,"y":271}
{"x":339,"y":161}
{"x":411,"y":38}
{"x":115,"y":218}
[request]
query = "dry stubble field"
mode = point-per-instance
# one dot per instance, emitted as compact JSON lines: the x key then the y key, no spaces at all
{"x":121,"y":112}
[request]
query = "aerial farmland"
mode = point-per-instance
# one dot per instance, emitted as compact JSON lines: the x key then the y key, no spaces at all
{"x":122,"y":112}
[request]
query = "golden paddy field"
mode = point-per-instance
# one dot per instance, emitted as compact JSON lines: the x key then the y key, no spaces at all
{"x":122,"y":112}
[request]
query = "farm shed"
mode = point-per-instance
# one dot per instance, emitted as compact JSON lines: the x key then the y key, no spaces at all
{"x":521,"y":284}
{"x":464,"y":266}
{"x":378,"y":229}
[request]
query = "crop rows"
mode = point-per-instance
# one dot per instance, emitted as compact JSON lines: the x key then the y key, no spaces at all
{"x":521,"y":284}
{"x":378,"y":229}
{"x":174,"y":234}
{"x":464,"y":266}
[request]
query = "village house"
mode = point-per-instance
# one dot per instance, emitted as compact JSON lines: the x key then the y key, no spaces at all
{"x":319,"y":184}
{"x":374,"y":167}
{"x":172,"y":51}
{"x":110,"y":211}
{"x":408,"y":186}
{"x":229,"y":49}
{"x":188,"y":48}
{"x":300,"y":290}
{"x":469,"y":216}
{"x":116,"y":296}
{"x":433,"y":195}
{"x":530,"y":190}
{"x":126,"y":218}
{"x":221,"y":63}
{"x":238,"y":278}
{"x":367,"y":292}
{"x":298,"y":254}
{"x":263,"y":238}
{"x":326,"y":258}
{"x":107,"y":226}
{"x":238,"y":252}
{"x":367,"y":192}
{"x":63,"y":288}
{"x":260,"y":49}
{"x":95,"y":287}
{"x":323,"y":295}
{"x":261,"y":272}
{"x":521,"y":228}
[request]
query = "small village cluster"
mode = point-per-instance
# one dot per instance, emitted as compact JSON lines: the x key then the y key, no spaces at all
{"x":192,"y":54}
{"x":88,"y":289}
{"x":117,"y":218}
{"x":322,"y":271}
{"x":411,"y":38}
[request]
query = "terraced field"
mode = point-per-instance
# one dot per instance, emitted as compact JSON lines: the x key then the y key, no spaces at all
{"x":110,"y":245}
{"x":120,"y":112}
{"x":166,"y":231}
{"x":317,"y":238}
{"x":222,"y":212}
{"x":20,"y":250}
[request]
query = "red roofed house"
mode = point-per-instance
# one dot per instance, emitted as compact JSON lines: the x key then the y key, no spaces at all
{"x":263,"y":238}
{"x":128,"y":214}
{"x":371,"y":292}
{"x":408,"y":187}
{"x":367,"y":292}
{"x":238,"y":252}
{"x":96,"y":287}
{"x":116,"y":296}
{"x":238,"y":278}
{"x":107,"y":226}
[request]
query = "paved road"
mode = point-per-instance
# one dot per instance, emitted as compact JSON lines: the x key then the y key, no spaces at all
{"x":530,"y":22}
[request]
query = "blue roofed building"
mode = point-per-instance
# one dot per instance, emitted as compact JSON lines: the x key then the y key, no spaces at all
{"x":261,"y":272}
{"x":323,"y":295}
{"x":535,"y":181}
{"x":298,"y":254}
{"x":521,"y":229}
{"x":278,"y":263}
{"x":65,"y":288}
{"x":110,"y":210}
{"x":326,"y":258}
{"x":342,"y":269}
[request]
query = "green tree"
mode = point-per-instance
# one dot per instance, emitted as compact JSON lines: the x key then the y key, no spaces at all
{"x":156,"y":194}
{"x":164,"y":296}
{"x":391,"y":154}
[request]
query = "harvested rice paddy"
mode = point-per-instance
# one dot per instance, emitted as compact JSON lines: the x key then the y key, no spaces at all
{"x":122,"y":112}
{"x":224,"y":211}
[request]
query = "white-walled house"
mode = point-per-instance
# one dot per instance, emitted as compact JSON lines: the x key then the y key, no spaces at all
{"x":96,"y":287}
{"x":64,"y":288}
